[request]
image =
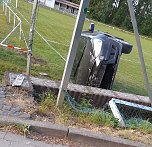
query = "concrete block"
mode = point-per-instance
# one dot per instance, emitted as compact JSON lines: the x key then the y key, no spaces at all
{"x":10,"y":77}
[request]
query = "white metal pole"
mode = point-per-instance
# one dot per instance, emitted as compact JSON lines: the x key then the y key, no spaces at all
{"x":16,"y":3}
{"x":72,"y":50}
{"x":6,"y":10}
{"x":9,"y":16}
{"x":138,"y":42}
{"x":20,"y":35}
{"x":3,"y":6}
{"x":14,"y":21}
{"x":10,"y":33}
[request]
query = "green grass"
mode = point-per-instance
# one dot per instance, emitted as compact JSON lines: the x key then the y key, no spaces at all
{"x":140,"y":125}
{"x":67,"y":115}
{"x":58,"y":27}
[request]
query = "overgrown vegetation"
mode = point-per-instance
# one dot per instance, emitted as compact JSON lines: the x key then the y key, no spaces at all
{"x":140,"y":125}
{"x":66,"y":115}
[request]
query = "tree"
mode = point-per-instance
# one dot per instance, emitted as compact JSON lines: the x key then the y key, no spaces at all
{"x":116,"y":12}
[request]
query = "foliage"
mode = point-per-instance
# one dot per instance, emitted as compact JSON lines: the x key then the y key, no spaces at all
{"x":139,"y":124}
{"x":96,"y":117}
{"x":117,"y":14}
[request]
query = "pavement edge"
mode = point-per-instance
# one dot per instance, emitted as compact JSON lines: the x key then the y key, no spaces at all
{"x":74,"y":134}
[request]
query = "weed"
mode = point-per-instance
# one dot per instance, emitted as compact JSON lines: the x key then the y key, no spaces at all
{"x":26,"y":129}
{"x":66,"y":112}
{"x":85,"y":103}
{"x":139,"y":124}
{"x":97,"y":116}
{"x":47,"y":104}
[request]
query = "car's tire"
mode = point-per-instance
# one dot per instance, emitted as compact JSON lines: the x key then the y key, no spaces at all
{"x":126,"y":47}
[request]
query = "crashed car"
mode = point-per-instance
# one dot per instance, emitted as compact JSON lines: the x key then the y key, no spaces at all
{"x":97,"y":59}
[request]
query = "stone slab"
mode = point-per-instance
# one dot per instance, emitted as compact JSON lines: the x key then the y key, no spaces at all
{"x":9,"y":78}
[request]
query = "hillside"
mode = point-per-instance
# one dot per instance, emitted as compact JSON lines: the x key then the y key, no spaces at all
{"x":57,"y":29}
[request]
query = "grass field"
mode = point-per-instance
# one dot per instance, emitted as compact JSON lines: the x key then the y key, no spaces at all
{"x":57,"y":28}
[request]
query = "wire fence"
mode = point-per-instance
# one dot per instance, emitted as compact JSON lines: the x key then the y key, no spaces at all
{"x":52,"y":40}
{"x":53,"y":37}
{"x":51,"y":43}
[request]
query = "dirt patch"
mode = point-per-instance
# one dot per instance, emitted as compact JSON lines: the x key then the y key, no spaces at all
{"x":21,"y":98}
{"x":38,"y":61}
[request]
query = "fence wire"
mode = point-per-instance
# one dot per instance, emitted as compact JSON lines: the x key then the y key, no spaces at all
{"x":50,"y":48}
{"x":52,"y":39}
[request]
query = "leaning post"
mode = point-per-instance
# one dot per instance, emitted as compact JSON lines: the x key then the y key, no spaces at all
{"x":84,"y":4}
{"x":138,"y":42}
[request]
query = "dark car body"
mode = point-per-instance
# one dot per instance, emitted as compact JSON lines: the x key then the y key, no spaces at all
{"x":97,"y":59}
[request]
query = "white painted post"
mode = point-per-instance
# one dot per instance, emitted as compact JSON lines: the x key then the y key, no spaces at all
{"x":138,"y":42}
{"x":9,"y":16}
{"x":14,"y":21}
{"x":6,"y":10}
{"x":116,"y":113}
{"x":3,"y":7}
{"x":16,"y":3}
{"x":72,"y":50}
{"x":20,"y":35}
{"x":10,"y":33}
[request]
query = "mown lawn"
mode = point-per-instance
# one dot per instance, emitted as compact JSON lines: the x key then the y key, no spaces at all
{"x":57,"y":28}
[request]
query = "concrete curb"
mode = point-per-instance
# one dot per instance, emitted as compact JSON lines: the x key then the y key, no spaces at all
{"x":99,"y":139}
{"x":41,"y":127}
{"x":74,"y":134}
